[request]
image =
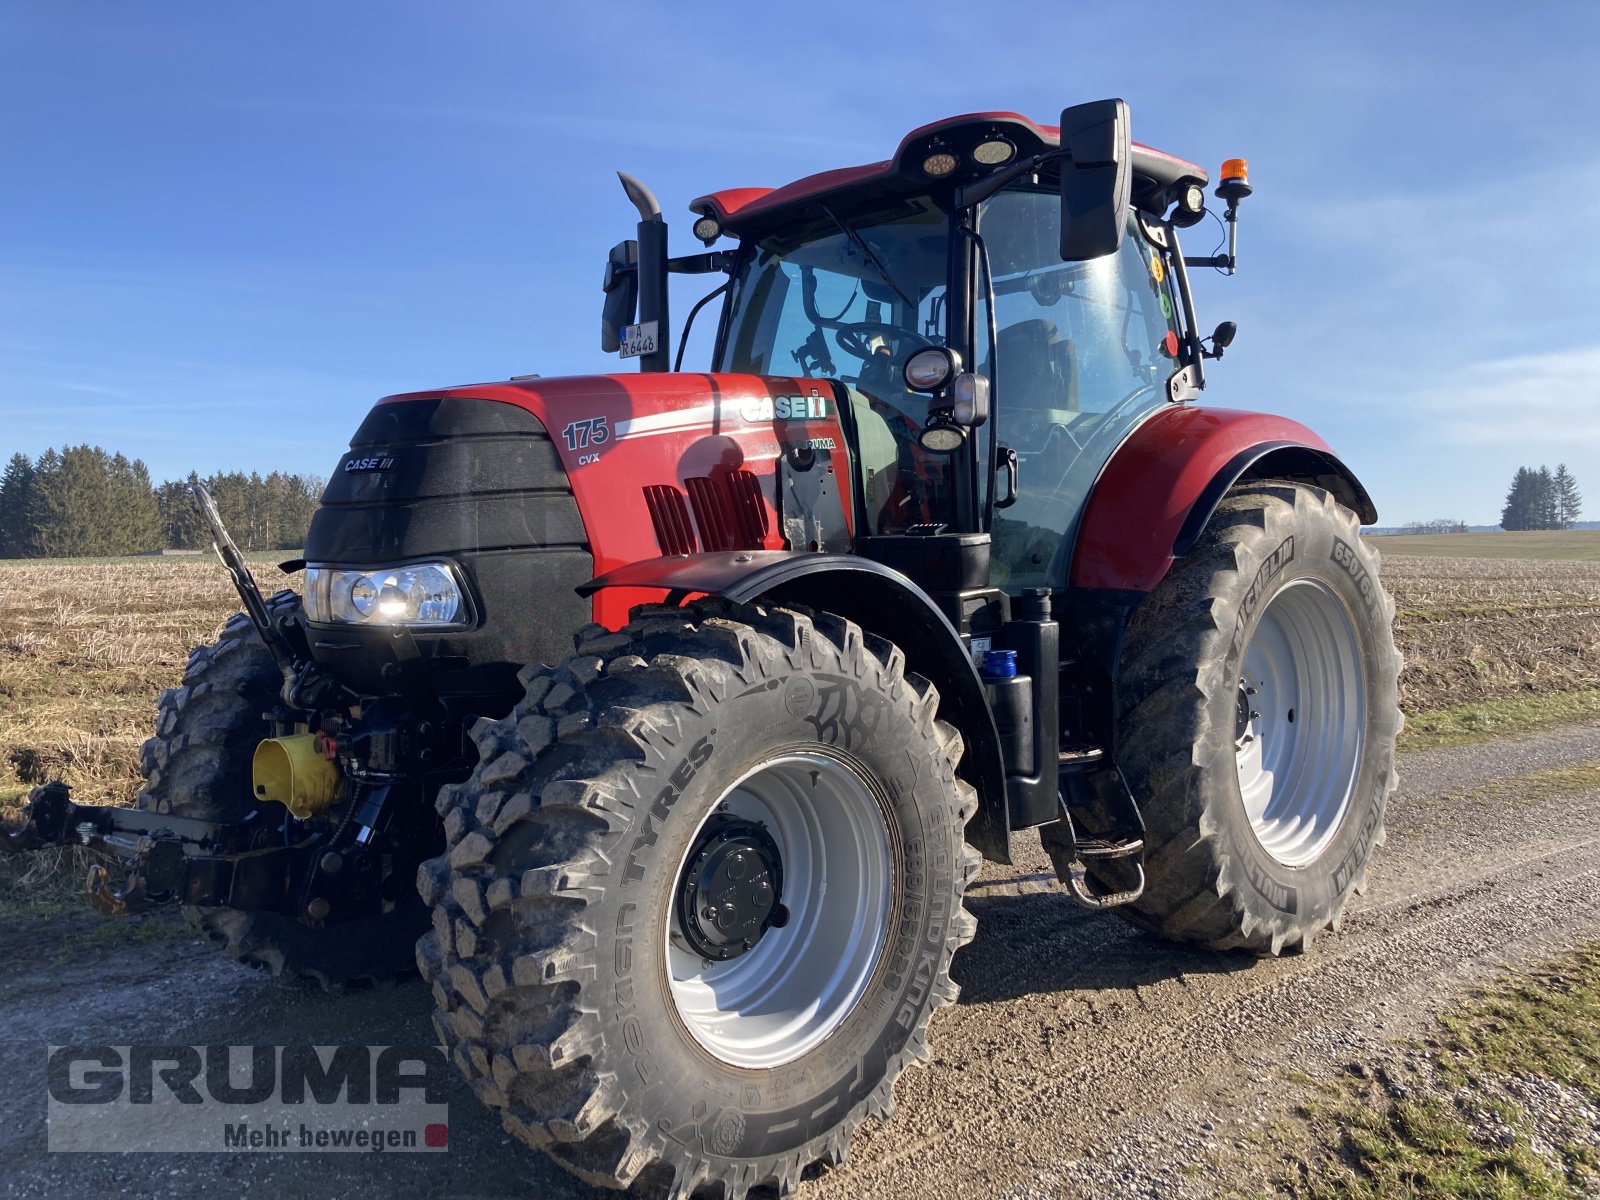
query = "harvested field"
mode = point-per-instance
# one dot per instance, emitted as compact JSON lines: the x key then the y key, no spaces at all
{"x":1475,"y":629}
{"x":84,"y":650}
{"x":86,"y":647}
{"x":1570,"y":544}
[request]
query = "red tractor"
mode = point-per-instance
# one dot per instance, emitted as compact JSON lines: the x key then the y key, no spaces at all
{"x":675,"y":711}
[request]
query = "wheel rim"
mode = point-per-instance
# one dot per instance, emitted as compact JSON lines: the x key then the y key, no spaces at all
{"x":800,"y":981}
{"x":1301,"y":721}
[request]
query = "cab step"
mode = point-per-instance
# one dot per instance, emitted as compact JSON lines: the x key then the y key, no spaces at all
{"x":1100,"y":824}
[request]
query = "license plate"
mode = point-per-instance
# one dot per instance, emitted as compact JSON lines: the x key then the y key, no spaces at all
{"x":638,"y":339}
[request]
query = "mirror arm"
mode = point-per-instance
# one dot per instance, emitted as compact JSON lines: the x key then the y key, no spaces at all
{"x":1193,"y":352}
{"x":980,"y":190}
{"x":702,"y":264}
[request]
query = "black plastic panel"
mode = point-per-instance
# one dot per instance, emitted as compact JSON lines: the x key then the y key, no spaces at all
{"x":477,"y":483}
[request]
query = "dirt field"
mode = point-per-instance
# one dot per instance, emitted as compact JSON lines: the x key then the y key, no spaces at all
{"x":1487,"y":629}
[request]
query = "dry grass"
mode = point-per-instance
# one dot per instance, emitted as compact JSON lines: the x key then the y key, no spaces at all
{"x":84,"y":651}
{"x":85,"y":648}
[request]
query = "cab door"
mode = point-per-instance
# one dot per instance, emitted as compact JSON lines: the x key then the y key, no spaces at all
{"x":1084,"y":353}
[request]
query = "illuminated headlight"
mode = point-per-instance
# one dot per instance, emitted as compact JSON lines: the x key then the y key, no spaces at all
{"x":417,"y":594}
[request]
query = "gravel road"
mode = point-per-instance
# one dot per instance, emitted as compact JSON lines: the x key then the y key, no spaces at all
{"x":1083,"y":1059}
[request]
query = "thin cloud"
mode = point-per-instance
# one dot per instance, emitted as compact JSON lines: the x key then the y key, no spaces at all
{"x":1531,"y":399}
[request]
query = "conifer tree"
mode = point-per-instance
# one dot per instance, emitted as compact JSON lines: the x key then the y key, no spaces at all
{"x":15,"y":487}
{"x":1569,"y":501}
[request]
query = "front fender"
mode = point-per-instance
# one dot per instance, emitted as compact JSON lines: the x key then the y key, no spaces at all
{"x":880,"y":600}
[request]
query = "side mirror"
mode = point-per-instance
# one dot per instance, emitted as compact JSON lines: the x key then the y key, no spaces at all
{"x":1096,"y":178}
{"x":622,"y":294}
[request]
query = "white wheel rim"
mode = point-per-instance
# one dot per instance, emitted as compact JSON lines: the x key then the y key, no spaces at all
{"x":781,"y":999}
{"x":1304,"y":691}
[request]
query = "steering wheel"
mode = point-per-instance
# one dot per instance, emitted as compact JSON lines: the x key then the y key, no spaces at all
{"x":852,"y":336}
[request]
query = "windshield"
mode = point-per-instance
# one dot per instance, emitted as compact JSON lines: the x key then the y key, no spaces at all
{"x":849,"y":303}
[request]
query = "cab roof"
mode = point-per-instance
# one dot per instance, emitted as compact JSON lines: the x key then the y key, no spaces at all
{"x":741,"y":210}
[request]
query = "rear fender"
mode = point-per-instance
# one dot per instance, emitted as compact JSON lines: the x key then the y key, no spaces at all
{"x":881,"y":601}
{"x":1156,"y":495}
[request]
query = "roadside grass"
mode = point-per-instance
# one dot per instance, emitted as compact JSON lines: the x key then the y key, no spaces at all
{"x":1501,"y":1101}
{"x":1485,"y":719}
{"x":1567,"y":545}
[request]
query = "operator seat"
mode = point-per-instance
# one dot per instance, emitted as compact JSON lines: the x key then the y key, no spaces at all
{"x":1037,"y":387}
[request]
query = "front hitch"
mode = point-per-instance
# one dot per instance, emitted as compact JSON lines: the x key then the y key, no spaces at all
{"x":167,"y":859}
{"x":155,"y":867}
{"x":252,"y":865}
{"x":304,"y":685}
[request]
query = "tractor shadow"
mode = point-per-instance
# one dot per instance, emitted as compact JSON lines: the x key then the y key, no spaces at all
{"x":1042,"y":942}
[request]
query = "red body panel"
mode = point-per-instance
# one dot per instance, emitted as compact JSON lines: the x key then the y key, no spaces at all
{"x":1144,"y":495}
{"x":619,"y":434}
{"x":752,"y":201}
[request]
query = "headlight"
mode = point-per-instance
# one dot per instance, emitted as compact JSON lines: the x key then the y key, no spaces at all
{"x":418,"y":594}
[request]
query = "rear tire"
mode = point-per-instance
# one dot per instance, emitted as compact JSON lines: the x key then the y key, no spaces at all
{"x":1257,"y":719}
{"x":567,"y":987}
{"x":198,"y":765}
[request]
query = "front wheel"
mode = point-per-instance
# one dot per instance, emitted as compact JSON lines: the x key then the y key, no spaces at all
{"x":1257,"y":719}
{"x":701,"y":897}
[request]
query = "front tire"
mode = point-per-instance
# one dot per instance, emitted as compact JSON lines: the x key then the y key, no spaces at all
{"x":198,"y":765}
{"x":609,"y":962}
{"x":1257,"y":719}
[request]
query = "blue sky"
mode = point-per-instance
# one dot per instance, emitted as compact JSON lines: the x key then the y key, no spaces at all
{"x":226,"y":229}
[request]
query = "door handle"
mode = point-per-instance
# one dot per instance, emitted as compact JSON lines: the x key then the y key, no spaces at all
{"x":1007,"y":458}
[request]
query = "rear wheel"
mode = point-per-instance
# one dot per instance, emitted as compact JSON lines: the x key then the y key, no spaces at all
{"x":198,"y":765}
{"x":1257,"y":719}
{"x":701,"y":897}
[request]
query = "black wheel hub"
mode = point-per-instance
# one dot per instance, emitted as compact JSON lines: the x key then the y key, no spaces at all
{"x":729,"y":891}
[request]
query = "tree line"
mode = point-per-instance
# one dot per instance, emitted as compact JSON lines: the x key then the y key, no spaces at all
{"x":1542,"y":499}
{"x":1437,"y":525}
{"x":82,"y":501}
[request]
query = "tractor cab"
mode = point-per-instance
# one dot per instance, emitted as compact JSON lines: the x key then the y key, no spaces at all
{"x":1082,"y":351}
{"x":997,"y":305}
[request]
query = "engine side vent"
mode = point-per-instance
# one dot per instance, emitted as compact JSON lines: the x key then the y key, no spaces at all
{"x":749,"y":510}
{"x":670,"y":516}
{"x":713,"y":512}
{"x":729,"y":510}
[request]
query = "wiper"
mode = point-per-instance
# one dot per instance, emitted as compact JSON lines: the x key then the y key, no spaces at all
{"x":860,"y":244}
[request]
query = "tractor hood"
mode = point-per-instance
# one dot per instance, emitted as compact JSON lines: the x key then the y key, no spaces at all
{"x":531,"y":487}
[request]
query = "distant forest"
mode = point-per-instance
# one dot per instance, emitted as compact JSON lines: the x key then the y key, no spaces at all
{"x":81,"y":501}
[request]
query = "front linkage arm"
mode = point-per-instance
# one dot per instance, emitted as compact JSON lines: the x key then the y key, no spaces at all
{"x":169,"y":859}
